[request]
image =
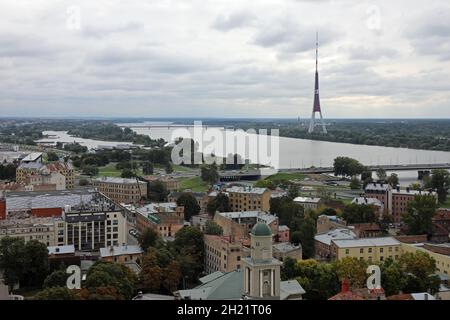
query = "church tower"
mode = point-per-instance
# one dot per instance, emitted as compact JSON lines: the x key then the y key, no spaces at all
{"x":261,"y":270}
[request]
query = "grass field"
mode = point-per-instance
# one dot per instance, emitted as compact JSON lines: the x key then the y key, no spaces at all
{"x":287,"y":176}
{"x":111,"y":171}
{"x":195,"y":184}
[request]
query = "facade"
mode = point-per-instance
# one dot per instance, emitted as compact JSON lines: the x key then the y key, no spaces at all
{"x":122,"y":254}
{"x":372,"y":250}
{"x":34,"y":169}
{"x":326,"y":223}
{"x":441,"y":226}
{"x":249,"y":198}
{"x":261,"y":270}
{"x":199,"y":221}
{"x":45,"y":181}
{"x":96,"y":224}
{"x":401,"y":198}
{"x":283,"y":234}
{"x":322,"y":242}
{"x":442,"y":260}
{"x":286,"y":249}
{"x":170,"y":183}
{"x":165,"y":218}
{"x":239,"y":224}
{"x":49,"y":231}
{"x":121,"y":190}
{"x":222,"y":254}
{"x":2,"y":207}
{"x":309,"y":203}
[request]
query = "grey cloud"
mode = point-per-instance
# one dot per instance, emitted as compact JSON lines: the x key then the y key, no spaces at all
{"x":99,"y":30}
{"x":233,"y":21}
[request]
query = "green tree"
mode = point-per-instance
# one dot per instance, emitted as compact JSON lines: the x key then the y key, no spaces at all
{"x":37,"y":265}
{"x":127,"y":173}
{"x":440,"y":180}
{"x":347,"y":167}
{"x":352,"y":269}
{"x":307,"y":232}
{"x":393,"y":277}
{"x":418,"y":218}
{"x":55,"y":293}
{"x":12,"y":259}
{"x":420,"y":270}
{"x":213,"y":228}
{"x":220,"y":203}
{"x":83,"y":182}
{"x":52,"y":156}
{"x":209,"y":173}
{"x":148,"y":239}
{"x":156,"y":191}
{"x":393,"y":180}
{"x":172,"y":276}
{"x":190,"y":204}
{"x":189,"y":246}
{"x":381,"y":174}
{"x":151,"y":274}
{"x":328,"y":212}
{"x":57,"y":278}
{"x":147,"y":168}
{"x":89,"y":170}
{"x":358,"y":213}
{"x":168,"y":168}
{"x":355,"y":183}
{"x":105,"y":274}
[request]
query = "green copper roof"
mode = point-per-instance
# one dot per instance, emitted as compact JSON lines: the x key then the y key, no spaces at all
{"x":261,"y":229}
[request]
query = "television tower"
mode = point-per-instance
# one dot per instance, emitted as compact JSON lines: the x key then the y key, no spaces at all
{"x":316,"y":107}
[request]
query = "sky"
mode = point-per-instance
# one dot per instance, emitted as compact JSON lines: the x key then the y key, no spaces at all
{"x":224,"y":58}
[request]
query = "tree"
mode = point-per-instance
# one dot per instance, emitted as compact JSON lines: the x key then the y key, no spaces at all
{"x":213,"y":228}
{"x":358,"y":213}
{"x":296,"y":237}
{"x":420,"y":269}
{"x":347,"y":167}
{"x":189,"y":246}
{"x":105,"y":274}
{"x":83,"y":182}
{"x":156,"y":191}
{"x":393,"y":278}
{"x":127,"y":173}
{"x":209,"y":173}
{"x":288,"y":270}
{"x":172,"y":276}
{"x":55,"y":293}
{"x":393,"y":180}
{"x":190,"y":204}
{"x":220,"y":203}
{"x":440,"y":180}
{"x":381,"y":174}
{"x":37,"y":265}
{"x":168,"y":168}
{"x":89,"y":170}
{"x":151,"y":273}
{"x":355,"y":184}
{"x":415,"y":186}
{"x":147,"y":168}
{"x":324,"y":194}
{"x":148,"y":239}
{"x":306,"y":233}
{"x":12,"y":259}
{"x":352,"y":269}
{"x":418,"y":218}
{"x":293,"y":191}
{"x":328,"y":212}
{"x":57,"y":278}
{"x":52,"y":156}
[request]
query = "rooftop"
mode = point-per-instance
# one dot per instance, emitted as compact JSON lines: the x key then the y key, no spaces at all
{"x":247,"y":190}
{"x":412,"y":192}
{"x":157,"y":207}
{"x":286,"y":247}
{"x":307,"y":200}
{"x":120,"y":250}
{"x":258,"y":215}
{"x":32,"y":157}
{"x":367,"y":201}
{"x":61,"y":249}
{"x":378,"y":187}
{"x":118,"y":180}
{"x":366,"y":242}
{"x":336,"y":234}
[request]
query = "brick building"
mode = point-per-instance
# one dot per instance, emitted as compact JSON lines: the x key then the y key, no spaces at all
{"x":121,"y":190}
{"x":165,"y":218}
{"x":249,"y":198}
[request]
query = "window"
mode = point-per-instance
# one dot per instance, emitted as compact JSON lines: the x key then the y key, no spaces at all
{"x":361,"y":250}
{"x":347,"y":251}
{"x":381,"y":250}
{"x":238,"y":258}
{"x":370,"y":250}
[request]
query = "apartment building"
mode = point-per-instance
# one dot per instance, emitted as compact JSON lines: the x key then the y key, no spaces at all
{"x":309,"y":203}
{"x":165,"y":218}
{"x":222,"y":254}
{"x":121,"y":190}
{"x":122,"y":254}
{"x":372,"y":250}
{"x":239,"y":224}
{"x":35,"y":169}
{"x":323,"y":241}
{"x":249,"y":198}
{"x":49,"y":231}
{"x":96,"y":224}
{"x":170,"y":183}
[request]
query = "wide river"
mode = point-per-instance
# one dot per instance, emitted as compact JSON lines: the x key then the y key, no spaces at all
{"x":293,"y":153}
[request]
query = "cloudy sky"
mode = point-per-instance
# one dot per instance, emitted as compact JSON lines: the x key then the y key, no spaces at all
{"x":224,"y":58}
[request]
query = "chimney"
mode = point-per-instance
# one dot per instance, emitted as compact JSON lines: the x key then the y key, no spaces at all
{"x":345,"y":286}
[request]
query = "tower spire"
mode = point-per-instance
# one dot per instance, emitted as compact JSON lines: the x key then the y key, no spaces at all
{"x":316,"y":105}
